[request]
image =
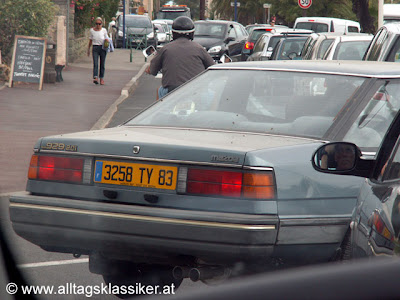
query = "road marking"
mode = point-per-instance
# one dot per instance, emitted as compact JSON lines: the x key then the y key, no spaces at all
{"x":54,"y":263}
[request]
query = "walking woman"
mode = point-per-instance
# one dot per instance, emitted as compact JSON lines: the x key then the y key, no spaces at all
{"x":97,"y":36}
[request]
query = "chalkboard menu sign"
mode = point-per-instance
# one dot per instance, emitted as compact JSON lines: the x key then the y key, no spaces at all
{"x":28,"y":60}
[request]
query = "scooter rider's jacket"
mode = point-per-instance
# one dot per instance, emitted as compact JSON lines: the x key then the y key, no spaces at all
{"x":180,"y":61}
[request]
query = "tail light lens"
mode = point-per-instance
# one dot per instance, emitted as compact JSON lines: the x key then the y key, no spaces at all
{"x":227,"y":183}
{"x":60,"y":168}
{"x":381,"y":227}
{"x":249,"y":46}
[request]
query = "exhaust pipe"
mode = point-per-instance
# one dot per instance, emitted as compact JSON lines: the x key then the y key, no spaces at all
{"x":180,"y":272}
{"x":206,"y":272}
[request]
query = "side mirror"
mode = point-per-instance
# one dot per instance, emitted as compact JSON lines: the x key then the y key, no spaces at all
{"x":225,"y":59}
{"x":149,"y":51}
{"x":336,"y":157}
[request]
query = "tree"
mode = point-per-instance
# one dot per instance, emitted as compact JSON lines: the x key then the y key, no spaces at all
{"x":87,"y":10}
{"x":23,"y":17}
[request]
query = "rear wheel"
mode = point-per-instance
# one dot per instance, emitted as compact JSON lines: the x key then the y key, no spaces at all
{"x":158,"y":276}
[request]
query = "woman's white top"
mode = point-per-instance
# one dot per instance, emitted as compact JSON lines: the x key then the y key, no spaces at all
{"x":98,"y":37}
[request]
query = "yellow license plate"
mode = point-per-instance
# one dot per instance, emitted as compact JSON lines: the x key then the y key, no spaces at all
{"x":138,"y":175}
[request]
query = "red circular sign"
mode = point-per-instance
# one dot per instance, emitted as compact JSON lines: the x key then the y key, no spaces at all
{"x":304,"y":4}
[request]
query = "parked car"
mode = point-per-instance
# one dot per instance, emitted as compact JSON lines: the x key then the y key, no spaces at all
{"x":138,"y":26}
{"x":212,"y":181}
{"x":164,"y":34}
{"x":385,"y":45}
{"x":221,"y":37}
{"x":266,"y":43}
{"x":375,"y":225}
{"x":326,"y":24}
{"x":348,"y":47}
{"x":256,"y":32}
{"x":317,"y":44}
{"x":288,"y":48}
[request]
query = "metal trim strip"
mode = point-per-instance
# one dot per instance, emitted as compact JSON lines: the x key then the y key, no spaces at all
{"x":145,"y":218}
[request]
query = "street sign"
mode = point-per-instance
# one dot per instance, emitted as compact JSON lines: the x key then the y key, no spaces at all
{"x":304,"y":4}
{"x":267,"y":5}
{"x":237,"y":3}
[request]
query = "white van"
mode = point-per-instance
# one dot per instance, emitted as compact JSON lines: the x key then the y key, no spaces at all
{"x":391,"y":13}
{"x":325,"y":24}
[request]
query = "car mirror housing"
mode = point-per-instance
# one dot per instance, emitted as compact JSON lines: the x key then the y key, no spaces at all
{"x":341,"y":158}
{"x":229,"y":39}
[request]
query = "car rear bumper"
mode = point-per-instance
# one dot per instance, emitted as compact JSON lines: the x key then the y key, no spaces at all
{"x":76,"y":226}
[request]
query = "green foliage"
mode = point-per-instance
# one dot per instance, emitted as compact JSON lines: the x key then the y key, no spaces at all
{"x":23,"y":17}
{"x":86,"y":11}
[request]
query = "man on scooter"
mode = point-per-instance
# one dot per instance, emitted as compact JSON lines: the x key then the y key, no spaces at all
{"x":180,"y":60}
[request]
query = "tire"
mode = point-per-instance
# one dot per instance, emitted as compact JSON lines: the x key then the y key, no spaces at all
{"x":146,"y":275}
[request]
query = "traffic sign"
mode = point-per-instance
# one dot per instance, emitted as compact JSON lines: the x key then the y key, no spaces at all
{"x":267,"y":5}
{"x":304,"y":4}
{"x":237,"y":4}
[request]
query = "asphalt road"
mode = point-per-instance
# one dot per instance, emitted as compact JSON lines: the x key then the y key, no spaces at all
{"x":43,"y":268}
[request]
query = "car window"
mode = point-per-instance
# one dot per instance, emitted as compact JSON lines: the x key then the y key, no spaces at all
{"x":370,"y":126}
{"x":232,"y":32}
{"x":353,"y":50}
{"x":394,"y":54}
{"x":317,"y":27}
{"x":209,"y":29}
{"x":137,"y":22}
{"x":377,"y":43}
{"x":260,"y":44}
{"x":323,"y":48}
{"x":352,"y":29}
{"x":391,"y":170}
{"x":238,"y":31}
{"x":291,"y":103}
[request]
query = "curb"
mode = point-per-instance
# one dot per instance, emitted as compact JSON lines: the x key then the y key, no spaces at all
{"x":105,"y":119}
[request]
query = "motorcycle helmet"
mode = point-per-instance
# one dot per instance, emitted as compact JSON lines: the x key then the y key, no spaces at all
{"x":183,"y":27}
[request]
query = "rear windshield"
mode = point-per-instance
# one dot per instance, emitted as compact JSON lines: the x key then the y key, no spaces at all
{"x":257,"y":33}
{"x":316,"y":27}
{"x":136,"y":22}
{"x":351,"y":50}
{"x":203,"y":29}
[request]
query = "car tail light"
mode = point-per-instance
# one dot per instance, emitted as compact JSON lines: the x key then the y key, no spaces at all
{"x":60,"y":168}
{"x":249,"y":45}
{"x":268,"y":29}
{"x":381,"y":227}
{"x":227,"y":183}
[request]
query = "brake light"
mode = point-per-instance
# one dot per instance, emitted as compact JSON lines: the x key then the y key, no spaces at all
{"x":249,"y":45}
{"x":268,"y":29}
{"x":227,"y":183}
{"x":59,"y":168}
{"x":381,"y":227}
{"x":310,"y":20}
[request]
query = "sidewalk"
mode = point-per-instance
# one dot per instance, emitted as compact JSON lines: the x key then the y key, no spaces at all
{"x":76,"y":104}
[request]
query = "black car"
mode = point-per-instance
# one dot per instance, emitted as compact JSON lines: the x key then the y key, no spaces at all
{"x":375,"y":225}
{"x":221,"y":37}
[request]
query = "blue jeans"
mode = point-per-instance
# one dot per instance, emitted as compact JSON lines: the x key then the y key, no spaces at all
{"x":99,"y":52}
{"x":162,"y":91}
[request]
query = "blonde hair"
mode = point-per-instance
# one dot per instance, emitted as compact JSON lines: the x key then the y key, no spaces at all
{"x":99,"y":19}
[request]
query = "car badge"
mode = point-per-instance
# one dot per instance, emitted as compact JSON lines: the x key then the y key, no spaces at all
{"x":136,"y":149}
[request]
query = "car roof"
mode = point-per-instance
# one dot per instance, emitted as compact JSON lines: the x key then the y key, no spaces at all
{"x":353,"y":68}
{"x":357,"y":37}
{"x":393,"y":27}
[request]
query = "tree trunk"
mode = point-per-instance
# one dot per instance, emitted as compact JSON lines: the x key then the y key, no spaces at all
{"x":360,"y":8}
